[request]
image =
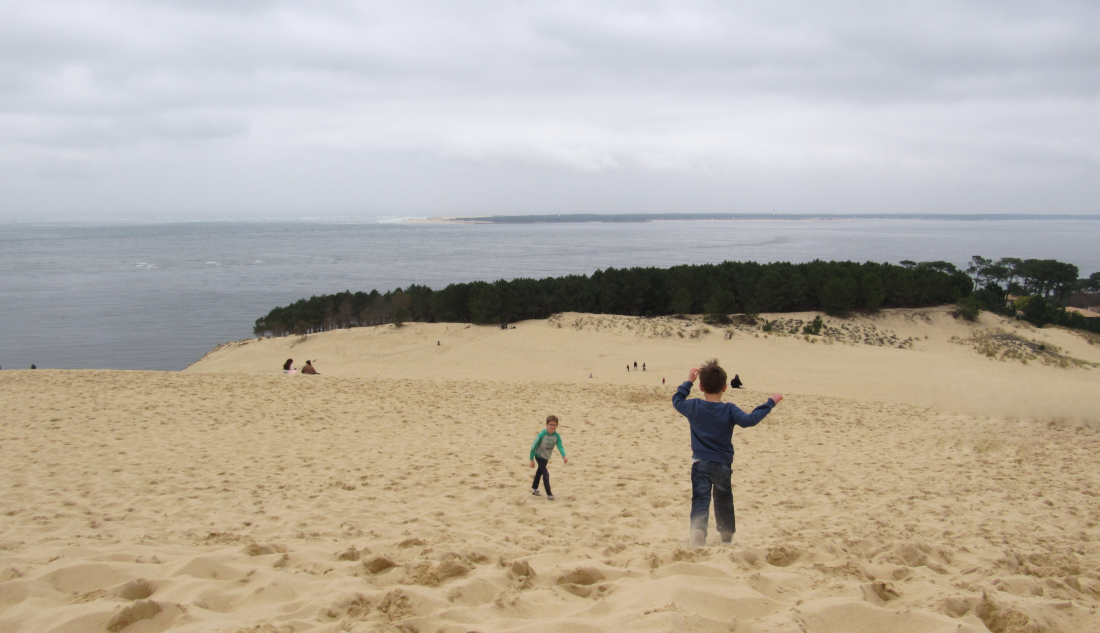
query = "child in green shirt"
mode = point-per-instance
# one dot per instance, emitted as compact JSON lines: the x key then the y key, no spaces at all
{"x":542,"y":450}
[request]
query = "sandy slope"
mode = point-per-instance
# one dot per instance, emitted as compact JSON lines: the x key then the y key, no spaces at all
{"x":391,"y":493}
{"x":931,"y":369}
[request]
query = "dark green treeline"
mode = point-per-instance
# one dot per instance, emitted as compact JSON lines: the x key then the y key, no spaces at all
{"x":715,"y":289}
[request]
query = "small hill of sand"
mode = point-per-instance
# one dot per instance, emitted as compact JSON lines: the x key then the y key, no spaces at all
{"x":392,"y":493}
{"x":927,"y":357}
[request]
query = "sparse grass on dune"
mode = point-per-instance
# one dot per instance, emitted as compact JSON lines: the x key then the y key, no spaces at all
{"x":999,"y":344}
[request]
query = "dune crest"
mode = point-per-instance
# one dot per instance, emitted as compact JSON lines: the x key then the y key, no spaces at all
{"x":922,"y":356}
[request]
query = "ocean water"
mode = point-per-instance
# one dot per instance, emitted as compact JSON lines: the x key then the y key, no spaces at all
{"x":159,"y":296}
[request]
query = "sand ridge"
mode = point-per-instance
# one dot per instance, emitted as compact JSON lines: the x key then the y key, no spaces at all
{"x":905,"y":356}
{"x":145,"y":501}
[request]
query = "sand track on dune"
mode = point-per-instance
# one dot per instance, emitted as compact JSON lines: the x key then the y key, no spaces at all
{"x":141,"y":501}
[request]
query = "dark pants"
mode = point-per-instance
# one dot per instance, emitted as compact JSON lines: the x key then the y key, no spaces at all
{"x":704,"y":476}
{"x":543,"y":474}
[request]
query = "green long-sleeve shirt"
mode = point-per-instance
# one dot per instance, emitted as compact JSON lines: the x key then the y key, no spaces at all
{"x":544,"y":445}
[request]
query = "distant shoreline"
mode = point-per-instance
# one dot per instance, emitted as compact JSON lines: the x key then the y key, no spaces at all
{"x":611,"y":218}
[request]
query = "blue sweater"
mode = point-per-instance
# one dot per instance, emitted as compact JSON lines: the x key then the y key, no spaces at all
{"x":712,"y":424}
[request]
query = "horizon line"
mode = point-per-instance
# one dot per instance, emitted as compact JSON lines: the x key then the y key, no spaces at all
{"x":650,"y":217}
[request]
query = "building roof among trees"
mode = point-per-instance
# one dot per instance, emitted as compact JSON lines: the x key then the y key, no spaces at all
{"x":1088,"y":314}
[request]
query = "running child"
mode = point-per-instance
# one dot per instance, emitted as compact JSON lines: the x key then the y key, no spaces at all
{"x":542,"y":450}
{"x":712,"y":422}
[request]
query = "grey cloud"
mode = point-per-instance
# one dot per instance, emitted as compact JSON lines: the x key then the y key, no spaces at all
{"x":194,"y":126}
{"x":704,"y":102}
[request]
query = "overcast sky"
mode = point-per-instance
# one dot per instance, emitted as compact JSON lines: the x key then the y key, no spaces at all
{"x":248,"y":108}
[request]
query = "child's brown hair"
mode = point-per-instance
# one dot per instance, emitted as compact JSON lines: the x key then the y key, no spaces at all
{"x":551,"y":418}
{"x":712,"y":377}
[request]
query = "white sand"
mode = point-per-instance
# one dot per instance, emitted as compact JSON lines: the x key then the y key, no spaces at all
{"x":391,"y":493}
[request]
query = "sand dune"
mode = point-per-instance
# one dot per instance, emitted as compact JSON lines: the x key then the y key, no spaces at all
{"x":392,"y":492}
{"x":939,"y":363}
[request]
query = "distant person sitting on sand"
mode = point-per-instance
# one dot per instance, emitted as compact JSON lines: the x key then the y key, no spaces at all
{"x":288,"y":367}
{"x":33,"y":366}
{"x":541,"y":452}
{"x":712,"y":422}
{"x":308,"y":369}
{"x":736,"y":382}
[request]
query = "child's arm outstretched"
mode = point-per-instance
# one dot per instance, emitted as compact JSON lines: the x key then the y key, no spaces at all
{"x":742,"y":419}
{"x":684,"y":389}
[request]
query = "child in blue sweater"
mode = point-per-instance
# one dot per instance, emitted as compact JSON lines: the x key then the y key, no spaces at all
{"x":712,"y":423}
{"x":541,"y":452}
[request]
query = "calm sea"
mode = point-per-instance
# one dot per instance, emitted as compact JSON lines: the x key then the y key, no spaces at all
{"x":159,"y":296}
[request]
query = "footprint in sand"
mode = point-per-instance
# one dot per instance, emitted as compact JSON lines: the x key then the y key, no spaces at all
{"x":353,"y":554}
{"x":139,"y":589}
{"x":582,"y":576}
{"x":162,"y":616}
{"x":378,"y":564}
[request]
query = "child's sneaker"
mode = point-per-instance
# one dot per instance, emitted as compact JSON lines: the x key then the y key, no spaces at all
{"x":727,"y":538}
{"x":535,"y":491}
{"x":549,"y":497}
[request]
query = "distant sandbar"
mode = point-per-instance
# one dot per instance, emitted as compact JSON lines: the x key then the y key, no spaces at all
{"x":573,"y":218}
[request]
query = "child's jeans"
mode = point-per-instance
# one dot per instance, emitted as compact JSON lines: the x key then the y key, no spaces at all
{"x":544,"y":474}
{"x":704,"y":476}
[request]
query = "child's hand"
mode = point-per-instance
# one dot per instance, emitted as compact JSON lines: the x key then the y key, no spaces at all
{"x":777,"y":397}
{"x":532,"y":463}
{"x":565,"y":459}
{"x":693,"y":375}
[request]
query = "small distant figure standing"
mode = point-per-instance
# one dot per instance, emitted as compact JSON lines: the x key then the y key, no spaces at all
{"x":589,"y":375}
{"x":308,"y":369}
{"x":662,"y":381}
{"x":288,"y":367}
{"x":33,"y":366}
{"x":541,"y":452}
{"x":635,"y":365}
{"x":643,"y":366}
{"x":712,"y":422}
{"x":736,"y":382}
{"x":437,"y":343}
{"x":628,"y":367}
